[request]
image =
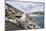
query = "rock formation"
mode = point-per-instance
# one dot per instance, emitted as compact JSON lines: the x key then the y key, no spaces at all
{"x":19,"y":18}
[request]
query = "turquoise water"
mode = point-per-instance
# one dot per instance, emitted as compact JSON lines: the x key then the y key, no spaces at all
{"x":39,"y":20}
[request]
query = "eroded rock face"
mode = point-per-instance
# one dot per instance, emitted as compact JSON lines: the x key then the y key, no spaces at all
{"x":19,"y":18}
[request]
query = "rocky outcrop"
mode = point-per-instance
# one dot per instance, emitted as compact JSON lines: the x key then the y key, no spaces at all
{"x":19,"y":18}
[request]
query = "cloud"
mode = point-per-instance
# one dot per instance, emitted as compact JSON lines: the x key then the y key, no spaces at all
{"x":27,"y":7}
{"x":31,"y":7}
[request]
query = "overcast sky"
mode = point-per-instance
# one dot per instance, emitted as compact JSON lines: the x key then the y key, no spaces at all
{"x":27,"y":7}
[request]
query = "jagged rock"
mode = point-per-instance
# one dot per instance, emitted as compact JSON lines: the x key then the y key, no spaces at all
{"x":23,"y":21}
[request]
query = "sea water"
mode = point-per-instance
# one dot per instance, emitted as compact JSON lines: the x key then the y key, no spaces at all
{"x":39,"y":20}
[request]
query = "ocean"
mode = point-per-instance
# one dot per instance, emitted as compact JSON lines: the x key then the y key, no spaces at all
{"x":39,"y":20}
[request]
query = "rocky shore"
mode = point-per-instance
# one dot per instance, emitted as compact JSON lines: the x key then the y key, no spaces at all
{"x":17,"y":20}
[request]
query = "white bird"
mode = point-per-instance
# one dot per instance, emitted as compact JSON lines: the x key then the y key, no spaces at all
{"x":23,"y":18}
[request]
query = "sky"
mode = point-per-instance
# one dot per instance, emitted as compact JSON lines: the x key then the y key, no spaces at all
{"x":27,"y":7}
